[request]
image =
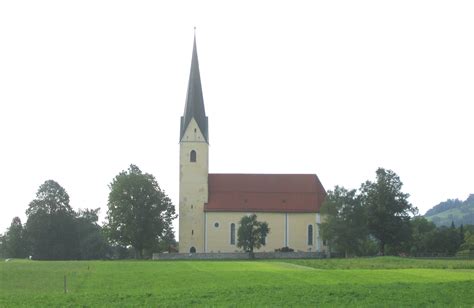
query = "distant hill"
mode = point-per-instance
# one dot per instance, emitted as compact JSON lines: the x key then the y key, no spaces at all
{"x":461,"y":212}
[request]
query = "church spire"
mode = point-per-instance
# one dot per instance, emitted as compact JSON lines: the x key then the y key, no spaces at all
{"x":194,"y":107}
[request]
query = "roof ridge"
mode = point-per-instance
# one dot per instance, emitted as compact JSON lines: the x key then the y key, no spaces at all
{"x":312,"y":174}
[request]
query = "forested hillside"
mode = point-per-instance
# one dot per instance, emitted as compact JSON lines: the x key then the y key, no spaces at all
{"x":452,"y":210}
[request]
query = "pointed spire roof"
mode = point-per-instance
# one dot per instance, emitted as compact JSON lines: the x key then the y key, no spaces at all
{"x":194,"y":107}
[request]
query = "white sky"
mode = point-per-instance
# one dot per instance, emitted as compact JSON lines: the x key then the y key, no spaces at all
{"x":336,"y":88}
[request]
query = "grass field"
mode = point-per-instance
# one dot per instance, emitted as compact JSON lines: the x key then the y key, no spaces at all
{"x":361,"y":282}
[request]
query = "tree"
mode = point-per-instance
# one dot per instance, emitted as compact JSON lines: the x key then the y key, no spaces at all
{"x":251,"y":233}
{"x":468,"y":243}
{"x":422,"y":231}
{"x":443,"y":240}
{"x":167,"y":242}
{"x":345,"y":221}
{"x":3,"y":246}
{"x":92,"y":240}
{"x":51,"y":198}
{"x":15,"y":243}
{"x":50,"y":227}
{"x":388,"y":209}
{"x":139,"y":212}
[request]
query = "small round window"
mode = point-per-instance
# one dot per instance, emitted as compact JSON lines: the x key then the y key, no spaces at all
{"x":216,"y":224}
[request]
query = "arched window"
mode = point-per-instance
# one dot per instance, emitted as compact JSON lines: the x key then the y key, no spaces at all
{"x":232,"y":234}
{"x":310,"y":235}
{"x":192,"y":250}
{"x":192,"y":157}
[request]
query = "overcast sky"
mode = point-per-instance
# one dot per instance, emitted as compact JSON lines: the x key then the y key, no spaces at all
{"x":336,"y":88}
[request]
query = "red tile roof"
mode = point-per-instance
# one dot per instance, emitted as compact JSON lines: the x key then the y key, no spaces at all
{"x":295,"y":193}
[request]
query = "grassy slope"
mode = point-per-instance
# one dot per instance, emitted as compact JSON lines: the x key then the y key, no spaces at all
{"x":379,"y":281}
{"x":456,"y":212}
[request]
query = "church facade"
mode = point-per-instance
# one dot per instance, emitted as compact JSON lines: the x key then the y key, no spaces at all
{"x":211,"y":205}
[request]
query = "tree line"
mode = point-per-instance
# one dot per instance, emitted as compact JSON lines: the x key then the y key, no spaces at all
{"x":139,"y":221}
{"x":374,"y":219}
{"x":378,"y":219}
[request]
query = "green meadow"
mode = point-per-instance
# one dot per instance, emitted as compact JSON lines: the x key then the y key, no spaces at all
{"x":387,"y":281}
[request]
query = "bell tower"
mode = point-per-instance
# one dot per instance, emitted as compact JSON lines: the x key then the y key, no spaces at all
{"x":193,"y":165}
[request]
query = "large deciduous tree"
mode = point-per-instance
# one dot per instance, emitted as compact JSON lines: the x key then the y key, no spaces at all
{"x":345,"y":221}
{"x":139,"y":212}
{"x":388,"y":209}
{"x":251,"y":233}
{"x":50,"y":227}
{"x":50,"y":198}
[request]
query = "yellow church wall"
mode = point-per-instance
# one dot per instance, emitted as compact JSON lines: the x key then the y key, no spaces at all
{"x":285,"y":230}
{"x":218,"y":238}
{"x":193,"y":192}
{"x":298,"y":231}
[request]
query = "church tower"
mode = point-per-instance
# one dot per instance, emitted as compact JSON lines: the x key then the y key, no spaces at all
{"x":193,"y":165}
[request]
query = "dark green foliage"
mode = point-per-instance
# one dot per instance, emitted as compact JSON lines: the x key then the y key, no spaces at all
{"x":51,"y":228}
{"x":381,"y":211}
{"x":92,"y":240}
{"x":468,"y":228}
{"x":3,"y":246}
{"x":51,"y":198}
{"x":119,"y":252}
{"x":388,"y":209}
{"x":251,"y":233}
{"x":468,"y":243}
{"x":14,"y":244}
{"x":55,"y":232}
{"x":428,"y":240}
{"x":166,"y":243}
{"x":421,"y":233}
{"x":345,"y":222}
{"x":140,"y":213}
{"x":442,"y":240}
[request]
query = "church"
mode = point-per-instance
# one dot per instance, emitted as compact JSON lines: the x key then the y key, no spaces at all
{"x":211,"y":205}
